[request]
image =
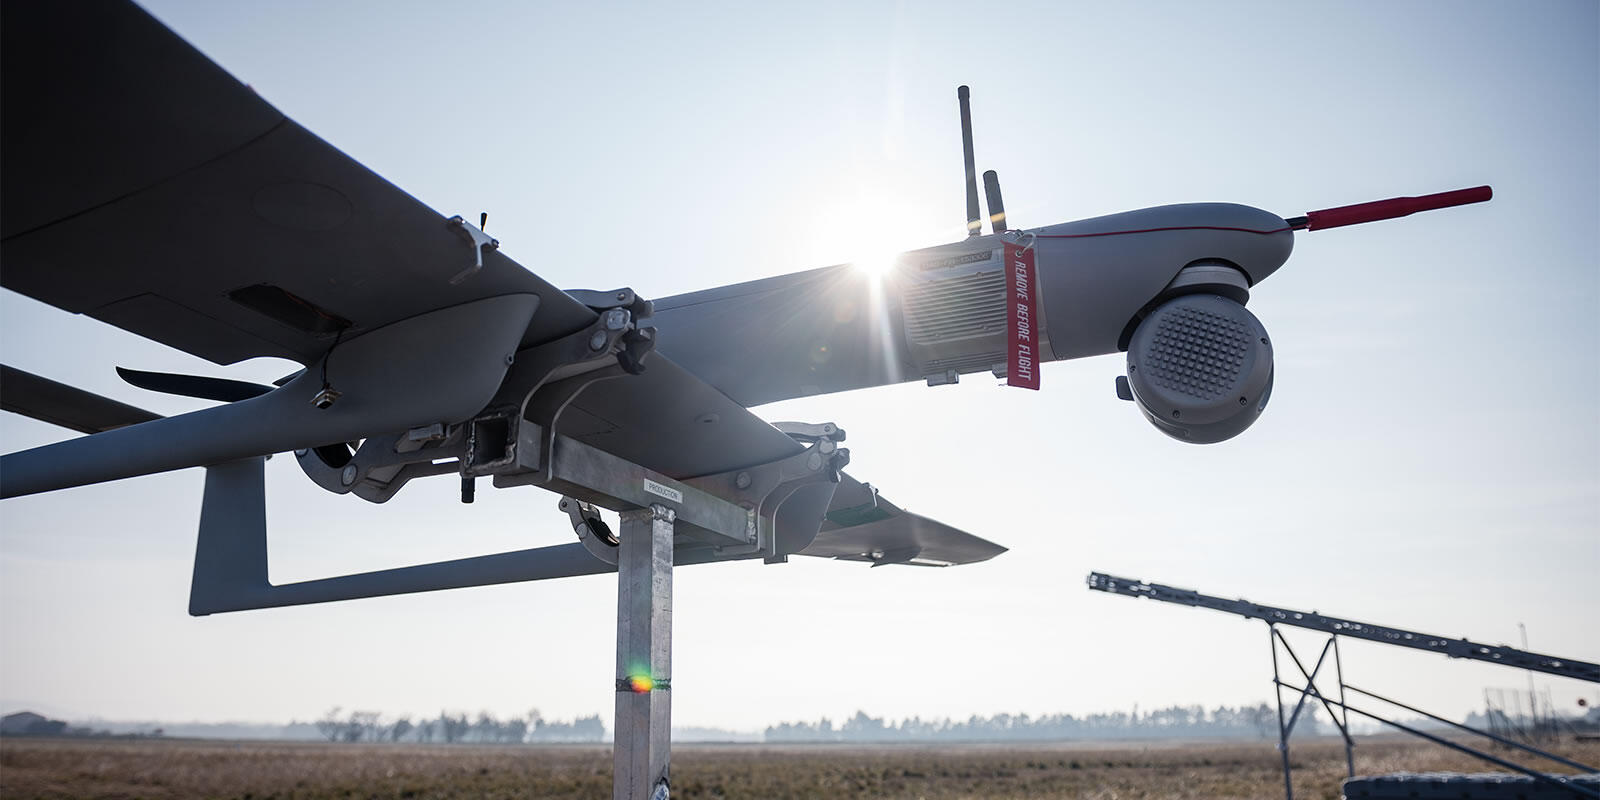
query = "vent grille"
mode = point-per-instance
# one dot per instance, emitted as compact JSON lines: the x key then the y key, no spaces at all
{"x":956,"y":308}
{"x":965,"y":364}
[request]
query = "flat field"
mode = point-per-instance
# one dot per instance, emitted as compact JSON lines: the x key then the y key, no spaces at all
{"x":62,"y":768}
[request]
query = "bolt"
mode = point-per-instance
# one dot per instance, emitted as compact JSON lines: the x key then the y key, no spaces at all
{"x":348,"y":476}
{"x":814,"y":462}
{"x":597,"y":341}
{"x":616,"y":319}
{"x":742,"y":480}
{"x":511,"y":358}
{"x":301,"y":453}
{"x":622,"y":296}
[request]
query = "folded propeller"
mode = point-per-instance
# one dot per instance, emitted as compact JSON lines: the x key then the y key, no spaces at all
{"x":198,"y":386}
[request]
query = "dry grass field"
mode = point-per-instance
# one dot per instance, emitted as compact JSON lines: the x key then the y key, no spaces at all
{"x":43,"y":768}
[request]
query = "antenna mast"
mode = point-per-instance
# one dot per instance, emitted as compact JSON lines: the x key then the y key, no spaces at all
{"x":974,"y":221}
{"x":997,"y":207}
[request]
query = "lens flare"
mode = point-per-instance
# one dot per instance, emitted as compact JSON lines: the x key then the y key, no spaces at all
{"x":641,"y":684}
{"x":877,"y":265}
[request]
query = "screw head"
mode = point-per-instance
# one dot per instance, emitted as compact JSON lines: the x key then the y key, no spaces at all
{"x":597,"y":341}
{"x":348,"y":476}
{"x":742,"y":480}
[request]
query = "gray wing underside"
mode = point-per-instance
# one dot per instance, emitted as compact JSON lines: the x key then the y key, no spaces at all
{"x":862,"y":526}
{"x":673,"y":405}
{"x":146,"y":187}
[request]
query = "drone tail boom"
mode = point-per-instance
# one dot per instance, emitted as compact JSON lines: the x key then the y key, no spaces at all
{"x":230,"y":562}
{"x":68,"y":406}
{"x":460,"y":353}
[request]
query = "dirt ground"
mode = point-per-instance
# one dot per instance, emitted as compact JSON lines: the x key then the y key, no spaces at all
{"x":61,"y":768}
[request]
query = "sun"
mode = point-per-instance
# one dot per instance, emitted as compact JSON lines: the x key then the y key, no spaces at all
{"x":873,"y":227}
{"x":877,"y":265}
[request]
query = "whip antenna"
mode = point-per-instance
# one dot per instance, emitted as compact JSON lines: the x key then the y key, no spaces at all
{"x":997,"y":207}
{"x":974,"y":222}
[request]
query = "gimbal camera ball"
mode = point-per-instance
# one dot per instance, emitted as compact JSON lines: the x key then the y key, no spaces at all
{"x":1200,"y":368}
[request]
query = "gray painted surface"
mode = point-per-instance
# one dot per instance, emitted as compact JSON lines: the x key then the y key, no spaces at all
{"x":230,"y":566}
{"x":139,"y":151}
{"x":818,"y":332}
{"x":59,"y":404}
{"x":459,"y":353}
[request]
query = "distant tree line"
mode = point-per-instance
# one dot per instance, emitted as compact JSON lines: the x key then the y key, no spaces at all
{"x":1260,"y":721}
{"x":27,"y":723}
{"x":456,"y":727}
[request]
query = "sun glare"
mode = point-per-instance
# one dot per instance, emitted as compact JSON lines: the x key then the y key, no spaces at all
{"x":872,"y":228}
{"x":877,"y":265}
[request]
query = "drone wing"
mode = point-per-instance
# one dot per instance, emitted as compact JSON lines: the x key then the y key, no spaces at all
{"x":147,"y":188}
{"x":862,"y":526}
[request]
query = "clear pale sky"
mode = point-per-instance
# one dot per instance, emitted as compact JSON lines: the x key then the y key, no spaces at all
{"x":1430,"y":459}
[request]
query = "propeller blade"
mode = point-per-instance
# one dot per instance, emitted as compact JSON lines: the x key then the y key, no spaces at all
{"x":291,"y":376}
{"x":222,"y":389}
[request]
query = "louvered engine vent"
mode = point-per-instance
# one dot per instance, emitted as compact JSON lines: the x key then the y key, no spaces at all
{"x":955,"y":308}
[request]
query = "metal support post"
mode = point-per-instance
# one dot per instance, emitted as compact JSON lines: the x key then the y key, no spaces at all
{"x":1349,"y":744}
{"x":642,"y":753}
{"x":1283,"y":731}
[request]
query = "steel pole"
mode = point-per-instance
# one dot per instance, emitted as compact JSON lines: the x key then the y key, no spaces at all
{"x":1349,"y":745}
{"x":1277,"y":693}
{"x":642,"y":753}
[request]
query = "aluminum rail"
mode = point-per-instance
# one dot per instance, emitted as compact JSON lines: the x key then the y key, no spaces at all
{"x":1455,"y":648}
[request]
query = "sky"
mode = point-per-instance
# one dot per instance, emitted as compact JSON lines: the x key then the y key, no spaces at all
{"x":1430,"y":459}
